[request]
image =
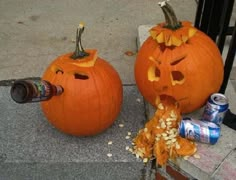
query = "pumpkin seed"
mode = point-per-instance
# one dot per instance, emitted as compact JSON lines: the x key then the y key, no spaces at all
{"x":127,"y":137}
{"x":169,"y":123}
{"x":197,"y":156}
{"x":163,"y":125}
{"x":109,"y":155}
{"x":174,"y":130}
{"x":109,"y":143}
{"x":127,"y":148}
{"x":177,"y":146}
{"x":166,"y":138}
{"x":164,"y":134}
{"x":145,"y":160}
{"x":173,"y":114}
{"x":160,"y":106}
{"x":131,"y":150}
{"x":140,"y":154}
{"x":186,"y":158}
{"x":172,"y":136}
{"x":129,"y":133}
{"x":121,"y":125}
{"x":173,"y":119}
{"x":168,"y":142}
{"x":168,"y":119}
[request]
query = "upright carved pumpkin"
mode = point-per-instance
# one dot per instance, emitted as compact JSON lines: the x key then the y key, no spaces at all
{"x":180,"y":61}
{"x":92,"y":94}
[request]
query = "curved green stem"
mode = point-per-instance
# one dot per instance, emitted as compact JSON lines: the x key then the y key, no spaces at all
{"x":79,"y":50}
{"x":170,"y":17}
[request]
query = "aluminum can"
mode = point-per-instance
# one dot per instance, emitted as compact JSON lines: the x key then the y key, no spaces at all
{"x":215,"y":109}
{"x":198,"y":130}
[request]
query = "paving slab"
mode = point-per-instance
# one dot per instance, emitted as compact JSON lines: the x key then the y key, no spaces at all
{"x":227,"y":168}
{"x":31,"y":148}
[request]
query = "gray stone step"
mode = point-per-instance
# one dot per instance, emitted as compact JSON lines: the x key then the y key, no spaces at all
{"x":30,"y":148}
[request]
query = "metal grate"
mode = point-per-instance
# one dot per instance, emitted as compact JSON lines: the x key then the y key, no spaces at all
{"x":213,"y":17}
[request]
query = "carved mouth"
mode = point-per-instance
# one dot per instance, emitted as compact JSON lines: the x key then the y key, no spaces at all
{"x":167,"y":99}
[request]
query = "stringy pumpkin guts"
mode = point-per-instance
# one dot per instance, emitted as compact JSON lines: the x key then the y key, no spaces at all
{"x":160,"y":138}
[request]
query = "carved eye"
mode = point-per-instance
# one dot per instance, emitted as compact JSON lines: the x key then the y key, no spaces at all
{"x":177,"y":77}
{"x":57,"y":69}
{"x":81,"y":76}
{"x":154,"y":73}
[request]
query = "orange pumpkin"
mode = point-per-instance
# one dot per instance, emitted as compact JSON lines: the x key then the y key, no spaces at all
{"x":92,"y":95}
{"x":180,"y":61}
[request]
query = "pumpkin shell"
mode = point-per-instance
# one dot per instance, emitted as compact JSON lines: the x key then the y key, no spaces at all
{"x":198,"y":62}
{"x":92,"y":95}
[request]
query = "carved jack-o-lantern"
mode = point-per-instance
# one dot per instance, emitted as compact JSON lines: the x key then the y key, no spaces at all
{"x":179,"y":61}
{"x":92,"y":94}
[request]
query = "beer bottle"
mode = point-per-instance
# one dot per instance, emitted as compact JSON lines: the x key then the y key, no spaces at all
{"x":24,"y":91}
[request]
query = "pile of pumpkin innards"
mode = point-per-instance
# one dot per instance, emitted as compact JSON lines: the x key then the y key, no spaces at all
{"x":160,"y":138}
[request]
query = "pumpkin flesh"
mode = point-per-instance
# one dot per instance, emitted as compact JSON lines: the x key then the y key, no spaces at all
{"x":160,"y":139}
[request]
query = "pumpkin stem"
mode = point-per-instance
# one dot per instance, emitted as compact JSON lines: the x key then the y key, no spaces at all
{"x":79,"y":50}
{"x":170,"y":17}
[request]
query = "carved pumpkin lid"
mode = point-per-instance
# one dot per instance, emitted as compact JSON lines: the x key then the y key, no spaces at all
{"x":81,"y":57}
{"x":172,"y":32}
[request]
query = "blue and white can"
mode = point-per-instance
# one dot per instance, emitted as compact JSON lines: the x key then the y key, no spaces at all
{"x":215,"y":109}
{"x":201,"y":131}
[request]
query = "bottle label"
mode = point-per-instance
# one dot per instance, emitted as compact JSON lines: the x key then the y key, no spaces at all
{"x":42,"y":91}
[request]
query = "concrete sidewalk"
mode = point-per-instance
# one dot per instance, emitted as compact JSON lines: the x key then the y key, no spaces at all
{"x":32,"y":34}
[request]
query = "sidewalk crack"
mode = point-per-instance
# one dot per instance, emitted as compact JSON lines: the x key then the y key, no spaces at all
{"x":219,"y":166}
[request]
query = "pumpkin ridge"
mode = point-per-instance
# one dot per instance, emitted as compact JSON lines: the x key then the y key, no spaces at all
{"x":100,"y":73}
{"x":99,"y":116}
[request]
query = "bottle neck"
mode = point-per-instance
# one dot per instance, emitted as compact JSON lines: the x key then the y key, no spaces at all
{"x":57,"y":90}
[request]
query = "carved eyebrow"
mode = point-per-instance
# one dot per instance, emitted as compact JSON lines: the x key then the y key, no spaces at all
{"x":156,"y":61}
{"x":178,"y":59}
{"x":56,"y":69}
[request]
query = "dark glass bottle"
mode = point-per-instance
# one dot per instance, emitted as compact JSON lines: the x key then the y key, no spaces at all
{"x":25,"y":91}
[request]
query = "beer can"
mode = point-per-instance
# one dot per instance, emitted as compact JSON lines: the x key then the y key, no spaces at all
{"x":215,"y":109}
{"x":201,"y":131}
